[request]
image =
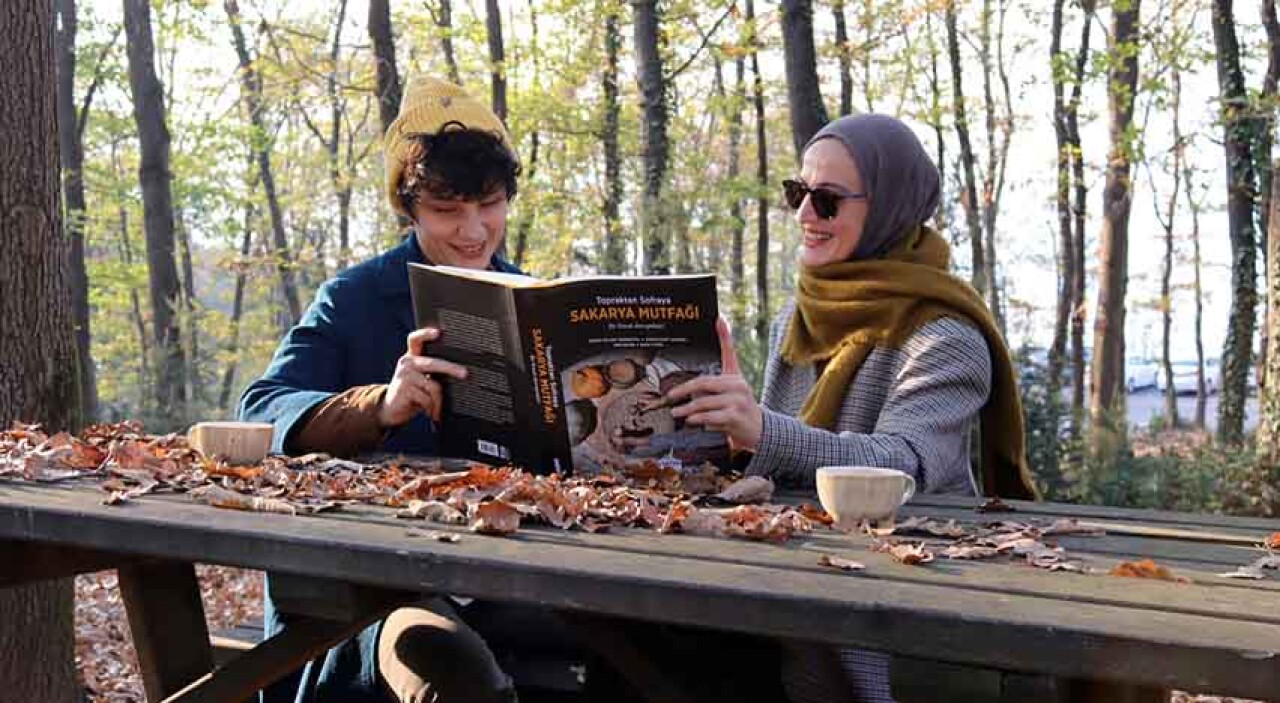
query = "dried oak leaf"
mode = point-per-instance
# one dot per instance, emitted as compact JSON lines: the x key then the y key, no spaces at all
{"x":936,"y":528}
{"x":995,"y":505}
{"x":841,"y":563}
{"x":970,"y":551}
{"x":432,"y":511}
{"x":495,"y":518}
{"x":815,"y":514}
{"x":751,"y":489}
{"x":708,"y":523}
{"x":447,"y":537}
{"x":1255,"y":570}
{"x":1071,"y":526}
{"x":1144,"y":569}
{"x":909,"y":553}
{"x":219,"y":497}
{"x":1244,"y":572}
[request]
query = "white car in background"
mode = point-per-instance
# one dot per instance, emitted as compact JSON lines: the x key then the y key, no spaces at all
{"x":1184,"y":377}
{"x":1140,"y":374}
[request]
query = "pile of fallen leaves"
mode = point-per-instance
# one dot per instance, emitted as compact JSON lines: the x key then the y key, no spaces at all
{"x":1029,"y":542}
{"x":131,"y":464}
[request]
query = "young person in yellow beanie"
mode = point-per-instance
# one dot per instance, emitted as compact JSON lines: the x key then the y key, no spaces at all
{"x":351,"y":377}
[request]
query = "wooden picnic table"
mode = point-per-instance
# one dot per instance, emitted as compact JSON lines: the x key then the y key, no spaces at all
{"x":994,"y":629}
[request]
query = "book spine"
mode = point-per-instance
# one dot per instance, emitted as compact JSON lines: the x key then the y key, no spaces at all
{"x":548,"y":441}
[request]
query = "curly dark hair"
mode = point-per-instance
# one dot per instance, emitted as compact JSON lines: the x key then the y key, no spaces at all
{"x":457,"y":163}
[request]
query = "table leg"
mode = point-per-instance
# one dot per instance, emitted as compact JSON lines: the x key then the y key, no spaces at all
{"x":166,"y":619}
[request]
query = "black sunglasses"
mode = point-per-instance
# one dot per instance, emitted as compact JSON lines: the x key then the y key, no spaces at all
{"x":825,"y":199}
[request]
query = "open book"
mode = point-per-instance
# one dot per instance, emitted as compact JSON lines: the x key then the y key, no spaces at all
{"x":570,"y":375}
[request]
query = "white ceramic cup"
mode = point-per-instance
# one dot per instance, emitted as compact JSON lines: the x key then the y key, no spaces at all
{"x":857,"y":494}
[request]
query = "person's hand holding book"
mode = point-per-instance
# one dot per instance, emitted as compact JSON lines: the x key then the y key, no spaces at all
{"x":413,"y":388}
{"x":723,"y":403}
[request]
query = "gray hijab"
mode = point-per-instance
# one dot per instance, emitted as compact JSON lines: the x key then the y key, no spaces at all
{"x":901,"y":180}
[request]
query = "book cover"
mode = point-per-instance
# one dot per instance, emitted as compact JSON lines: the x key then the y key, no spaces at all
{"x":571,"y":374}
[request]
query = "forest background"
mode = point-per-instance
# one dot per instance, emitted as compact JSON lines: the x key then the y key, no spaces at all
{"x":1107,"y":183}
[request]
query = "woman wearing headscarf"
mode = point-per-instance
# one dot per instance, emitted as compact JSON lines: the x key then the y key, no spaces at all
{"x":882,"y":358}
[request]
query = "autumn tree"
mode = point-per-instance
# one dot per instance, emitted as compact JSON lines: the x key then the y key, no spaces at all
{"x":762,"y":178}
{"x":252,"y":97}
{"x":804,"y":96}
{"x":73,"y":116}
{"x":1237,"y":127}
{"x":1269,"y":386}
{"x":384,"y":52}
{"x":653,"y":88}
{"x":614,"y":260}
{"x":969,"y":197}
{"x":158,"y":210}
{"x":38,"y":370}
{"x":1106,"y":395}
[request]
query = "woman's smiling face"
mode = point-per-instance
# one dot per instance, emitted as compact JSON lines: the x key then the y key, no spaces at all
{"x":827,"y":163}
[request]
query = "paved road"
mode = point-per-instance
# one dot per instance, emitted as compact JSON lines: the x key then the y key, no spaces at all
{"x":1146,"y":404}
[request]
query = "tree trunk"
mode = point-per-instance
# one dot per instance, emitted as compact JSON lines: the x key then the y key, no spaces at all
{"x":126,"y":256}
{"x":1202,"y":395}
{"x":157,"y":208}
{"x":970,"y":198}
{"x":38,"y":379}
{"x":384,"y":52}
{"x":1066,"y":257}
{"x":444,"y":22}
{"x":497,"y":77}
{"x":526,"y":221}
{"x":762,"y":184}
{"x":1062,"y":316}
{"x":1079,"y":311}
{"x":846,"y":64}
{"x":497,"y":59}
{"x":190,"y":318}
{"x":237,"y":302}
{"x":942,"y":218}
{"x":71,"y":149}
{"x":1262,"y":159}
{"x":653,"y":86}
{"x":1269,"y":423}
{"x":997,"y":150}
{"x":251,"y":94}
{"x":1237,"y":126}
{"x":337,"y":110}
{"x":737,"y":218}
{"x":1167,"y":222}
{"x":1107,"y":394}
{"x":804,"y":97}
{"x":615,"y":252}
{"x":1268,"y":388}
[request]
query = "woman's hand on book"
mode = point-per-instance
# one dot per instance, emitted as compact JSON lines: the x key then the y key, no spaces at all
{"x":414,"y":388}
{"x":723,"y":403}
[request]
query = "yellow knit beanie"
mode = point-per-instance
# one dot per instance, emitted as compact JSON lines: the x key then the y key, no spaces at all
{"x":427,"y":106}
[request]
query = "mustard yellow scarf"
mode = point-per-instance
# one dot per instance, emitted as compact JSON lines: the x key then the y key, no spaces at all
{"x":845,"y":310}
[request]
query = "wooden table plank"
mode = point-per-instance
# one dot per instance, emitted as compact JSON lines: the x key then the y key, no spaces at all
{"x":952,"y":622}
{"x":1053,"y":510}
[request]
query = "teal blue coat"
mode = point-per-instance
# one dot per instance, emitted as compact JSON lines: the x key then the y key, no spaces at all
{"x":352,"y":335}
